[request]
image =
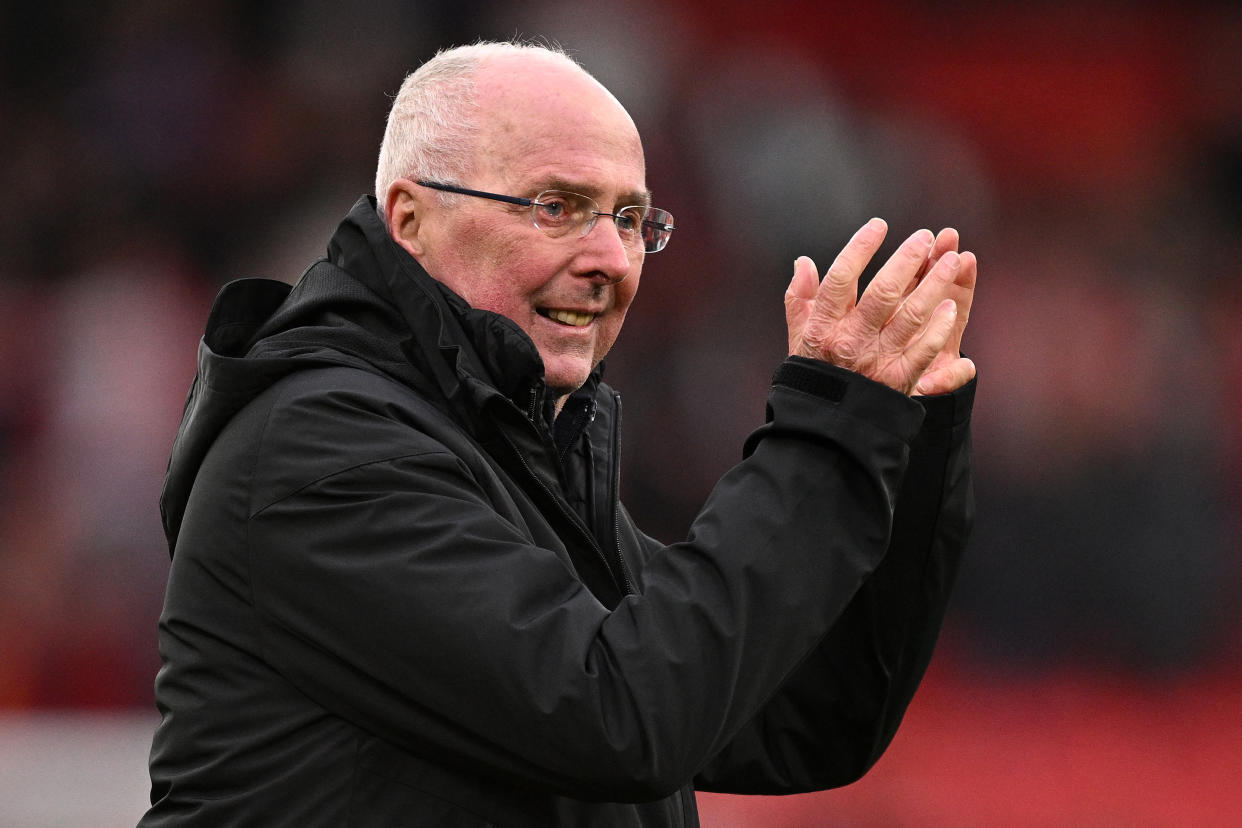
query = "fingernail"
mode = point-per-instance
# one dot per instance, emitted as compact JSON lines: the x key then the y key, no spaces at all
{"x":951,"y":259}
{"x":877,"y":225}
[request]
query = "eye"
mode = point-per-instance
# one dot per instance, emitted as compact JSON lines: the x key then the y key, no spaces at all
{"x":629,"y":219}
{"x":556,"y":209}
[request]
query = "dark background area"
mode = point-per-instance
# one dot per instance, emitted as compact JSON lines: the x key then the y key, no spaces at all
{"x":1090,"y":154}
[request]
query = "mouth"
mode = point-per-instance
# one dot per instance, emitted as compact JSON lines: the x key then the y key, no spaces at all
{"x":571,"y":318}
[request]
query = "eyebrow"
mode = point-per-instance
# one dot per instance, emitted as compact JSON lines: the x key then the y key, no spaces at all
{"x":640,"y":197}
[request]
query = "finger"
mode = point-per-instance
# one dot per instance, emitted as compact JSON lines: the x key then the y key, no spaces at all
{"x":946,"y":240}
{"x":931,"y":340}
{"x":805,"y":280}
{"x":969,"y":272}
{"x":919,"y":306}
{"x":965,"y":280}
{"x":800,"y":299}
{"x":838,"y":292}
{"x":946,"y":378}
{"x":887,"y":290}
{"x":963,"y":293}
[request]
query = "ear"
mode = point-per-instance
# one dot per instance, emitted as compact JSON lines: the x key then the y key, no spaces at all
{"x":405,"y":207}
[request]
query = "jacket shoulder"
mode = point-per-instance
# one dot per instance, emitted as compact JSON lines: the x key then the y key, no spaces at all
{"x":316,"y":423}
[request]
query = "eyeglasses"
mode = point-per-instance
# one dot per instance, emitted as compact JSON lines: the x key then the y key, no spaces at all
{"x":558,"y":214}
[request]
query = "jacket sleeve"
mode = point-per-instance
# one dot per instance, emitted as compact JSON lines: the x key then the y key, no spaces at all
{"x":397,"y":595}
{"x":834,"y":717}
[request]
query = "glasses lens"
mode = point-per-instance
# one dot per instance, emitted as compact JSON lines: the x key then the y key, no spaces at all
{"x":657,"y":229}
{"x":559,"y":213}
{"x":629,"y":221}
{"x":644,"y":228}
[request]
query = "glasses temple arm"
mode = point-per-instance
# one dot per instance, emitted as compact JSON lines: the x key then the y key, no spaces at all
{"x":449,"y":188}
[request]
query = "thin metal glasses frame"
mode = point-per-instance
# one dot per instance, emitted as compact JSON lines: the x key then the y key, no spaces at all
{"x":665,"y":228}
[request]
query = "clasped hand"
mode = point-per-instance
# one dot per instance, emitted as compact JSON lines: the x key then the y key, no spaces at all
{"x":906,"y":329}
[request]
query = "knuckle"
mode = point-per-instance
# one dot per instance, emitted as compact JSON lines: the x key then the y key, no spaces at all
{"x":846,"y":350}
{"x":815,"y":338}
{"x":914,"y":252}
{"x":885,"y":292}
{"x":840,"y":273}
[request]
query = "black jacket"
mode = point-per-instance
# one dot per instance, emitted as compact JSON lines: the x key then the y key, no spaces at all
{"x":398,"y":597}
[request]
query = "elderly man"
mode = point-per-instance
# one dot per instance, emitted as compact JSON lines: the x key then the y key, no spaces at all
{"x":403,"y":589}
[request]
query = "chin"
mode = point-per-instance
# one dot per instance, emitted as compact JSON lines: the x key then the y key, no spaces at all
{"x":562,"y":383}
{"x":562,"y":389}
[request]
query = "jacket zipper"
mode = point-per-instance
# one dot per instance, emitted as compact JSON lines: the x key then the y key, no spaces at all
{"x":614,"y":495}
{"x":622,"y":568}
{"x":569,"y":514}
{"x":533,"y":410}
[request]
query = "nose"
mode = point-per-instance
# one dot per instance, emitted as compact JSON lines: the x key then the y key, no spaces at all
{"x":604,"y":254}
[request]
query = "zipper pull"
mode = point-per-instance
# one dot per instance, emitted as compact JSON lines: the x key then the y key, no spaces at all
{"x":533,"y":413}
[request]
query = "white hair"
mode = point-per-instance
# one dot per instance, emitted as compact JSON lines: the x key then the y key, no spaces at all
{"x":433,"y":122}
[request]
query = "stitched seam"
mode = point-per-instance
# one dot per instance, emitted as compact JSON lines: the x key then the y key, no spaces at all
{"x":330,"y":475}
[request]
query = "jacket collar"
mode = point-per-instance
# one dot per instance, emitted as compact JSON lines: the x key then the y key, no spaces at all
{"x":472,"y":353}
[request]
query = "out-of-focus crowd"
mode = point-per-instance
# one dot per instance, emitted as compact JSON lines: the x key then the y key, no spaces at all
{"x":1092,"y":159}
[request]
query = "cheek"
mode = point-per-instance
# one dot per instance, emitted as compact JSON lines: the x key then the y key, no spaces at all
{"x":484,"y":266}
{"x":625,"y":293}
{"x":519,"y":259}
{"x":628,"y":289}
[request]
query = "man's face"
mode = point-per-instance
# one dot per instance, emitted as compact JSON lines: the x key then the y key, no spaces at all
{"x":544,"y":127}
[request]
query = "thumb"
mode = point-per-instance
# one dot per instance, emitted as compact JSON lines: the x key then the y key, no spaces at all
{"x":800,"y":299}
{"x":946,"y":378}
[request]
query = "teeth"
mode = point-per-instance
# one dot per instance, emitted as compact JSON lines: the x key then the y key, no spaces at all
{"x":571,"y":317}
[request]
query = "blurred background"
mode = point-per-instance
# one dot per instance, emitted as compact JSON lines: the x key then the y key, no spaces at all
{"x":1090,"y":154}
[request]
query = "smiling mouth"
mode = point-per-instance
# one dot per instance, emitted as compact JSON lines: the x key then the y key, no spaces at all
{"x":575,"y":319}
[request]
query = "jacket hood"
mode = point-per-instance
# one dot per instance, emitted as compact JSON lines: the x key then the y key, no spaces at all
{"x":370,"y":305}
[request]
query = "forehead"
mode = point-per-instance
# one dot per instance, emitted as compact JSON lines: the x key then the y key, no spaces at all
{"x":547,"y":124}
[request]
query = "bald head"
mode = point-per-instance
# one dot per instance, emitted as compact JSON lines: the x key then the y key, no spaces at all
{"x":453,"y":109}
{"x":527,"y":103}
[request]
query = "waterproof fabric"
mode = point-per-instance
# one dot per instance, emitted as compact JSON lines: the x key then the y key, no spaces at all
{"x":399,"y":597}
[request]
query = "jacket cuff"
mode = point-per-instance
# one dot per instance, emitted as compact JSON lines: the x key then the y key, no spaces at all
{"x":951,"y":409}
{"x":851,"y":393}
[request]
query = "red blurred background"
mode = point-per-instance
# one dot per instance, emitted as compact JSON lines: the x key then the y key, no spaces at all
{"x":1090,"y":154}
